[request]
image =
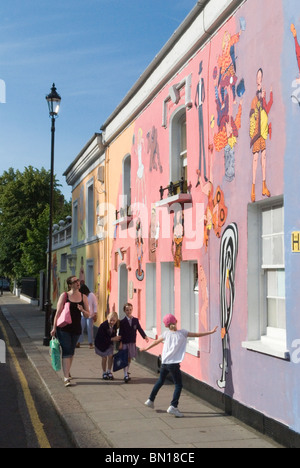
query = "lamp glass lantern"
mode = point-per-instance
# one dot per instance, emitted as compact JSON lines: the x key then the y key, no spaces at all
{"x":53,"y":100}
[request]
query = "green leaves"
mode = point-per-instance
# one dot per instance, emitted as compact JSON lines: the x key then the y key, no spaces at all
{"x":24,"y":220}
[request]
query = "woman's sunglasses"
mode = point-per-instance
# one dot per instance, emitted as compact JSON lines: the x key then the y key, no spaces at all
{"x":75,"y":281}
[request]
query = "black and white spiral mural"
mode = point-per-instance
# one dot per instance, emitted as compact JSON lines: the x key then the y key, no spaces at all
{"x":228,"y":255}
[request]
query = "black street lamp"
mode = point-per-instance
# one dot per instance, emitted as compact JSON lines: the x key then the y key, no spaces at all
{"x":53,"y":100}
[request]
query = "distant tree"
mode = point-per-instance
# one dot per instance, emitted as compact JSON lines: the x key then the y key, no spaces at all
{"x":24,"y":220}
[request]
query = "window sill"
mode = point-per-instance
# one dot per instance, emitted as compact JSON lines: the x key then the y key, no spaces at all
{"x":268,"y":346}
{"x":193,"y":348}
{"x":123,"y":221}
{"x":179,"y":198}
{"x":152,"y":333}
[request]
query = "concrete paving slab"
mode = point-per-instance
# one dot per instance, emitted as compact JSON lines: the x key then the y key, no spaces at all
{"x":113,"y":414}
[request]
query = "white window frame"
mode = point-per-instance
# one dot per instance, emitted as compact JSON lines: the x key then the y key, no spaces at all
{"x":261,"y":337}
{"x":167,"y":291}
{"x":189,"y":302}
{"x":178,"y":158}
{"x":126,"y":180}
{"x":151,"y":310}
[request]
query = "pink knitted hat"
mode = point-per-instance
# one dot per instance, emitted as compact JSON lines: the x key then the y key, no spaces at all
{"x":169,"y":319}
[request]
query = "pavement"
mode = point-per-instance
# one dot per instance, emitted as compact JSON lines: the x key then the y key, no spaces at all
{"x":112,"y":414}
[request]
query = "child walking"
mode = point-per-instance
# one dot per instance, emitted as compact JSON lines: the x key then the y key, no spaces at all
{"x":128,"y":328}
{"x":173,"y":354}
{"x":104,"y":343}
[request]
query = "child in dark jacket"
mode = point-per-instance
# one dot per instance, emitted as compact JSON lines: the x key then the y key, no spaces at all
{"x":104,"y":343}
{"x":128,"y":328}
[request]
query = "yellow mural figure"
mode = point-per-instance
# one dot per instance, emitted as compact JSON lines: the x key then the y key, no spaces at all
{"x":178,"y":238}
{"x":259,"y":131}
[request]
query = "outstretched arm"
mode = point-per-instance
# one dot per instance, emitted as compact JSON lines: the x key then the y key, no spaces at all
{"x":201,"y":335}
{"x":154,"y":343}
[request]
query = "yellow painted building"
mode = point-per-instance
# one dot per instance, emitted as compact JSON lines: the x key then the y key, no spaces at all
{"x":117,"y":186}
{"x":61,"y":249}
{"x":87,"y":250}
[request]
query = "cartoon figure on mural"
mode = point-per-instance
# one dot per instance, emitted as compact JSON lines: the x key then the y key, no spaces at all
{"x":153,"y":149}
{"x":139,"y":249}
{"x":140,"y":189}
{"x":226,"y":138}
{"x":154,"y":235}
{"x":228,"y":255}
{"x":260,"y":129}
{"x":199,"y":101}
{"x":227,"y":64}
{"x":296,"y":83}
{"x":226,"y":92}
{"x":177,"y":241}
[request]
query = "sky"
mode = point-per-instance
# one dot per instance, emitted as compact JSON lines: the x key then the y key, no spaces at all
{"x":93,"y":50}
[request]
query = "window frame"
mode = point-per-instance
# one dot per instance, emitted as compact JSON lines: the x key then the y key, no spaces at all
{"x":189,"y":283}
{"x":261,"y":337}
{"x":178,"y":163}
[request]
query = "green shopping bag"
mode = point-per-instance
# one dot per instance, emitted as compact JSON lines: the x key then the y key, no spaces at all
{"x":55,"y":354}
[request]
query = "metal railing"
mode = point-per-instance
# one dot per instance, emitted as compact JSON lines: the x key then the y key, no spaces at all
{"x":174,"y":188}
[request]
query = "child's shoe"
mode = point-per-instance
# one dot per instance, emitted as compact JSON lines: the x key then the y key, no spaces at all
{"x":175,"y":412}
{"x":149,"y":403}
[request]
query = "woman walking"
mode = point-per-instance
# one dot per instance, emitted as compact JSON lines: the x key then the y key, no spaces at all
{"x":69,"y":335}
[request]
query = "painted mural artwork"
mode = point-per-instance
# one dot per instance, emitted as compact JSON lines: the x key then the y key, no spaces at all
{"x":178,"y":233}
{"x":227,"y":89}
{"x":228,"y":255}
{"x":199,"y":101}
{"x":260,"y":129}
{"x":153,"y":234}
{"x":140,"y":183}
{"x":153,"y":150}
{"x":215,"y":212}
{"x":296,"y":83}
{"x":139,"y":243}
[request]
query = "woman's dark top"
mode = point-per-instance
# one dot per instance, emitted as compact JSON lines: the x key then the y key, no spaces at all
{"x":104,"y":336}
{"x":75,"y":327}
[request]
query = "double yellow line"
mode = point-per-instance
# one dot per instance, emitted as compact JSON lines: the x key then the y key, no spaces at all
{"x":36,"y":422}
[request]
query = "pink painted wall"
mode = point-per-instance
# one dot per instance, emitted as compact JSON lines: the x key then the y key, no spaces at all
{"x":257,"y":31}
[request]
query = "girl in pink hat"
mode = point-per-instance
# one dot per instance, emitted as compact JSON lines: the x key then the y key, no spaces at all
{"x":173,"y":353}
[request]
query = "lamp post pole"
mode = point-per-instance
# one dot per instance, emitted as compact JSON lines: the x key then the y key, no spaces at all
{"x":53,"y":100}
